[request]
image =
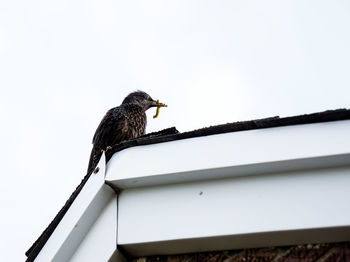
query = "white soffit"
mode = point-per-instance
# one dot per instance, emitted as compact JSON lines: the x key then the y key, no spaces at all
{"x":232,"y":154}
{"x":240,"y":212}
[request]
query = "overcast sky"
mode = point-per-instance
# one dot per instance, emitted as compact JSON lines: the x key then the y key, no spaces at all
{"x":64,"y":63}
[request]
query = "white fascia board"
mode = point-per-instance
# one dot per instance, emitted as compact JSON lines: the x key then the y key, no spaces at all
{"x":102,"y":231}
{"x":232,"y":154}
{"x":80,"y":218}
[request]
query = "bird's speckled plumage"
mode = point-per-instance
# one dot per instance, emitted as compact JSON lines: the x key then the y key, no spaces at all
{"x":121,"y":123}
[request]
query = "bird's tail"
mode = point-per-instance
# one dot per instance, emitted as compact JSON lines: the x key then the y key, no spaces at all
{"x":94,"y":158}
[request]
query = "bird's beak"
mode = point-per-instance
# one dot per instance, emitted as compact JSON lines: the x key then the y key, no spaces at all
{"x":158,"y":104}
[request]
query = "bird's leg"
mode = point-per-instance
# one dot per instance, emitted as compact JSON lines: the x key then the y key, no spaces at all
{"x":107,"y":148}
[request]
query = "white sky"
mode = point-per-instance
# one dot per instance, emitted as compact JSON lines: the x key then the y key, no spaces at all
{"x":63,"y":64}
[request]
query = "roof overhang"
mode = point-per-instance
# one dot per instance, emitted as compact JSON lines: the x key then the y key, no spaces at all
{"x":276,"y":186}
{"x":278,"y":181}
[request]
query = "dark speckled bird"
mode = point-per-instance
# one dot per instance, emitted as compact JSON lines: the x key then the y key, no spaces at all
{"x":122,"y":123}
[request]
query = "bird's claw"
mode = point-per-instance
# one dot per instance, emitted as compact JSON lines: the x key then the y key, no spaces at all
{"x":107,"y":148}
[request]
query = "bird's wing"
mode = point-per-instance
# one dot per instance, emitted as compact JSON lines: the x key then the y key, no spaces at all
{"x":105,"y":123}
{"x":110,"y":130}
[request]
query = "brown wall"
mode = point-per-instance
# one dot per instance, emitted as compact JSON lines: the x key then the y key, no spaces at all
{"x":331,"y":252}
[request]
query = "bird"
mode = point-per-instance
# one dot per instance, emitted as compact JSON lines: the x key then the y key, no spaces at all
{"x":122,"y":123}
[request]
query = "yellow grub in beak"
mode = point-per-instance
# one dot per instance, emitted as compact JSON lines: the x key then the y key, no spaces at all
{"x":159,"y":105}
